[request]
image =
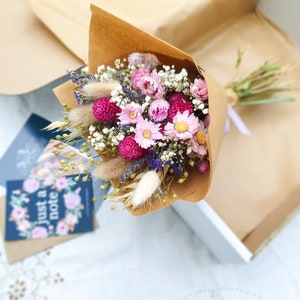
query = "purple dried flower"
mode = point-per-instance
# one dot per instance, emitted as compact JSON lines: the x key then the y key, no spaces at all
{"x":154,"y":161}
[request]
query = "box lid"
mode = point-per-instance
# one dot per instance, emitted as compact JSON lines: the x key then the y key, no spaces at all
{"x":47,"y":37}
{"x":27,"y":48}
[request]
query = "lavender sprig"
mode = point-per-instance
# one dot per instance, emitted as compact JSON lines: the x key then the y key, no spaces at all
{"x":129,"y":93}
{"x":134,"y":167}
{"x":81,"y":79}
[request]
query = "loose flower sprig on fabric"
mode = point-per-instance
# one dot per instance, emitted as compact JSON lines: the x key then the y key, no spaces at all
{"x":146,"y":120}
{"x":262,"y":86}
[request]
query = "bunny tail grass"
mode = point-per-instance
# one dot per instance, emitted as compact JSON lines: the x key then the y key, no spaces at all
{"x":82,"y":115}
{"x":113,"y":168}
{"x":100,"y":89}
{"x":146,"y":187}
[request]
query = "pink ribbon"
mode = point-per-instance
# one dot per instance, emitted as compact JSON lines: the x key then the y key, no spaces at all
{"x":238,"y":122}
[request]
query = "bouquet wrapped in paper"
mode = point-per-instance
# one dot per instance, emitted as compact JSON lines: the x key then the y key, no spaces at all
{"x":153,"y":116}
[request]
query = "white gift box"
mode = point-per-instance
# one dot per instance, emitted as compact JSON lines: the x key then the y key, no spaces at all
{"x":221,"y":239}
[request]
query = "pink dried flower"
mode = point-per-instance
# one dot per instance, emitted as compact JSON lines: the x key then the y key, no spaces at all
{"x":199,"y":89}
{"x":135,"y":59}
{"x":198,"y":141}
{"x":158,"y":110}
{"x":137,"y":77}
{"x":150,"y":61}
{"x":203,"y":167}
{"x":130,"y":149}
{"x":184,"y":126}
{"x":207,"y":120}
{"x":148,"y":83}
{"x":179,"y":107}
{"x":146,"y":133}
{"x":130,"y":114}
{"x":178,"y":97}
{"x":105,"y":111}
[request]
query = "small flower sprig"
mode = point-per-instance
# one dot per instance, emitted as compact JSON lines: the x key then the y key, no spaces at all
{"x":261,"y":86}
{"x":147,"y":121}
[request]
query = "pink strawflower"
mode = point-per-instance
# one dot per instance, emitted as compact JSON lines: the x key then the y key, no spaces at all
{"x":203,"y":167}
{"x":130,"y":114}
{"x":31,"y":185}
{"x":62,"y":228}
{"x":148,"y":83}
{"x":184,"y":126}
{"x":178,"y":97}
{"x":179,"y":106}
{"x":158,"y":110}
{"x":137,"y":77}
{"x":149,"y":60}
{"x":61,"y":183}
{"x":39,"y":232}
{"x":199,"y":89}
{"x":18,"y":213}
{"x":72,"y":200}
{"x":198,"y":141}
{"x":105,"y":111}
{"x":146,"y":133}
{"x":130,"y":149}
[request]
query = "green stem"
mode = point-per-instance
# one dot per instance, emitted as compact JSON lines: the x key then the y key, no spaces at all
{"x":266,"y":101}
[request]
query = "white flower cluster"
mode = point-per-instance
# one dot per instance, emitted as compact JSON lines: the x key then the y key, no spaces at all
{"x":178,"y":82}
{"x":106,"y":73}
{"x":118,"y":97}
{"x":176,"y":149}
{"x":199,"y":105}
{"x":107,"y":137}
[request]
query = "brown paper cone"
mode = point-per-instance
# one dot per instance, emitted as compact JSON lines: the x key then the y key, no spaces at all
{"x":111,"y":38}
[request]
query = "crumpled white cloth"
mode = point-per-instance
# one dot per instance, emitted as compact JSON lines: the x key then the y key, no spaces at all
{"x":152,"y":257}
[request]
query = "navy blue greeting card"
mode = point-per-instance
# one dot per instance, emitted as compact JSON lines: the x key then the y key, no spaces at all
{"x":39,"y":208}
{"x":24,"y":151}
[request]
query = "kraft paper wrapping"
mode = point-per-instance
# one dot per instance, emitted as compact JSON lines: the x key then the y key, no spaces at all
{"x":111,"y":38}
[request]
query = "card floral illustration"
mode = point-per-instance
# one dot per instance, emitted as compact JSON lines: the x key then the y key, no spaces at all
{"x":47,"y":203}
{"x":39,"y":209}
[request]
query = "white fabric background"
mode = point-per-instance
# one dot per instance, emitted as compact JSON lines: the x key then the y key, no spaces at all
{"x":140,"y":258}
